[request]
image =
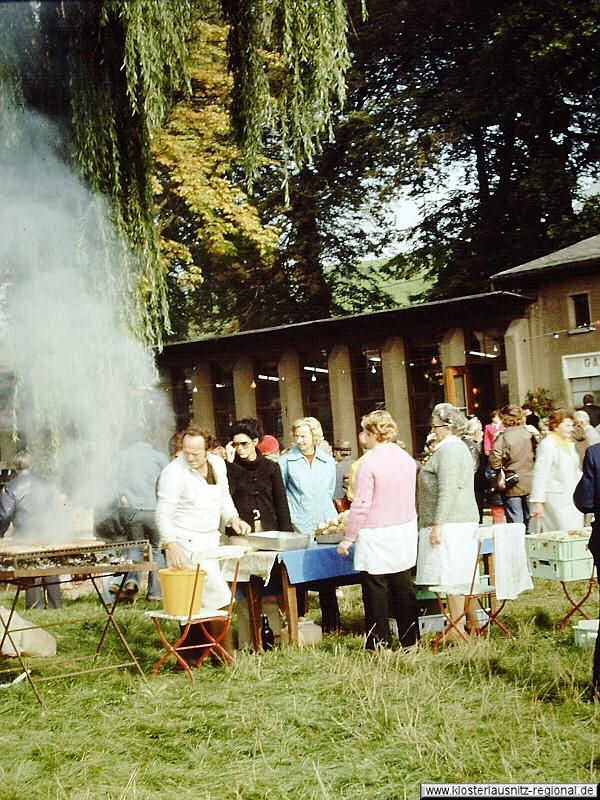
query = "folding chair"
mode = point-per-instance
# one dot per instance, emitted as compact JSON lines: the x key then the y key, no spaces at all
{"x":475,"y":591}
{"x":201,"y":620}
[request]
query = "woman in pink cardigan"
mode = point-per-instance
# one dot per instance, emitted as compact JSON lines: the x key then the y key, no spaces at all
{"x":383,"y":525}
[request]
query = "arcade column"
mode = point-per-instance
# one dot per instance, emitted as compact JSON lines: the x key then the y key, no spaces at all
{"x":395,"y":387}
{"x":290,"y":392}
{"x":342,"y":396}
{"x":245,"y":395}
{"x":203,"y":409}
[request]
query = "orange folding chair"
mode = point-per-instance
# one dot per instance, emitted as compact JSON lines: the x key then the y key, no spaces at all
{"x":475,"y":591}
{"x":213,"y":624}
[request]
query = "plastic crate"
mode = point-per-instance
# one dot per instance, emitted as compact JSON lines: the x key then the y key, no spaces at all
{"x":586,"y":632}
{"x":567,"y":548}
{"x":434,"y":623}
{"x":577,"y":570}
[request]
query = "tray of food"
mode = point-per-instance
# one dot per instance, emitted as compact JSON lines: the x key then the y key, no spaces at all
{"x":278,"y":540}
{"x":330,"y":532}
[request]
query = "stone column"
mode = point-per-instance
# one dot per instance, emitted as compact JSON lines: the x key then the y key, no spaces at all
{"x":342,"y":396}
{"x":452,"y":348}
{"x":395,"y":387}
{"x":518,"y":360}
{"x":203,"y":409}
{"x":290,"y":392}
{"x":245,"y":395}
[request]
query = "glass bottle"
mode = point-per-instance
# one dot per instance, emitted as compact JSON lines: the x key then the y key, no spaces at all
{"x":266,"y":634}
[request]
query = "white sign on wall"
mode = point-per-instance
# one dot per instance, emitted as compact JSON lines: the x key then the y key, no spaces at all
{"x":583,"y":365}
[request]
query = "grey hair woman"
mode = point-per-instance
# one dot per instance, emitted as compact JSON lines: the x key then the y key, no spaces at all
{"x":451,"y":417}
{"x":448,"y":516}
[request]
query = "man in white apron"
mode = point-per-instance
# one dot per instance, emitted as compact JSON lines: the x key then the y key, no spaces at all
{"x":193,"y":501}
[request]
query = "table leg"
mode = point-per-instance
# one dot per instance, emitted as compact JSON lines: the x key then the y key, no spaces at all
{"x":490,"y":571}
{"x":111,"y":622}
{"x":252,"y":591}
{"x":443,"y":636}
{"x":7,"y":635}
{"x":290,"y":602}
{"x":492,"y":619}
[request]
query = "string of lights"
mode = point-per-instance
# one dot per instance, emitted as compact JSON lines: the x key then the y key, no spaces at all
{"x":591,"y":328}
{"x":375,"y":368}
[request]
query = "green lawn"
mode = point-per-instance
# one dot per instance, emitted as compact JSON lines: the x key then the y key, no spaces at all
{"x":329,"y":722}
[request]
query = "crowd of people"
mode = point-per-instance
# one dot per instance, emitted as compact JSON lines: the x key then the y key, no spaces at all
{"x":400,"y":512}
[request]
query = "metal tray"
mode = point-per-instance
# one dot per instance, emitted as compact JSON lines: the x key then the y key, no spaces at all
{"x":329,"y":538}
{"x":279,"y":540}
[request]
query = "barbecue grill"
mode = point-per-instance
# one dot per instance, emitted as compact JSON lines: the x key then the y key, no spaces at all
{"x":25,"y":559}
{"x":21,"y":562}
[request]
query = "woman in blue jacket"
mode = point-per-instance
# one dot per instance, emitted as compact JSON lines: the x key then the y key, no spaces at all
{"x":309,"y":478}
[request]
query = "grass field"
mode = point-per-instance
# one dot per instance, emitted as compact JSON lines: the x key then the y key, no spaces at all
{"x":329,"y":722}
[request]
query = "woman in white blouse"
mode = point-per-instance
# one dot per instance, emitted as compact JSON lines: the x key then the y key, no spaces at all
{"x":556,"y":473}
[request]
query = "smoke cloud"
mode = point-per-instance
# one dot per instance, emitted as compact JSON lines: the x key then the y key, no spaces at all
{"x":84,"y":385}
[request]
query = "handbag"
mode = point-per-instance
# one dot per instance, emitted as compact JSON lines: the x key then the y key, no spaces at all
{"x":498,"y":482}
{"x":501,"y":482}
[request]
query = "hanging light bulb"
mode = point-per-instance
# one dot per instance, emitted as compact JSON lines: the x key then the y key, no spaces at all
{"x":373,"y":370}
{"x":253,"y":384}
{"x":433,"y":361}
{"x":314,"y":378}
{"x":556,"y":335}
{"x":495,"y":348}
{"x":411,"y":363}
{"x":195,"y":389}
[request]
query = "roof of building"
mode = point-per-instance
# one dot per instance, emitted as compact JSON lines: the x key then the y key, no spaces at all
{"x":584,"y":254}
{"x":478,"y":309}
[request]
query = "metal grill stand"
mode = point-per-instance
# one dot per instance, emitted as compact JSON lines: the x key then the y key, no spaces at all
{"x":20,"y":566}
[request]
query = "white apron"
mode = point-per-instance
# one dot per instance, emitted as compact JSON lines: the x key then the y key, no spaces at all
{"x":452,"y":562}
{"x":384,"y":551}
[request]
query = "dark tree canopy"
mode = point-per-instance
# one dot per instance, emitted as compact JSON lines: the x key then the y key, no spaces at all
{"x":500,"y":105}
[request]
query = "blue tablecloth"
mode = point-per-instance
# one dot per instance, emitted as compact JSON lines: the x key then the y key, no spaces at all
{"x":322,"y":561}
{"x":316,"y":563}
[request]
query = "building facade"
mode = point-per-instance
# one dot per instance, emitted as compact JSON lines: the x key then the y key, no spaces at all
{"x":555,"y":345}
{"x":539,"y":328}
{"x":404,"y":359}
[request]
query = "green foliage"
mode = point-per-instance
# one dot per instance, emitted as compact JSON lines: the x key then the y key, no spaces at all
{"x":120,"y":92}
{"x":288,"y":60}
{"x":212,"y":237}
{"x":540,"y":401}
{"x":107,"y":71}
{"x":115,"y":67}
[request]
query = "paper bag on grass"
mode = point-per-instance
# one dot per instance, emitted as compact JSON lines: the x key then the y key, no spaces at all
{"x":35,"y":642}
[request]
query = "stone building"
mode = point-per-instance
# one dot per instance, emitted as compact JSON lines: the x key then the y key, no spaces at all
{"x":403,"y":359}
{"x":556,"y":343}
{"x":536,"y":329}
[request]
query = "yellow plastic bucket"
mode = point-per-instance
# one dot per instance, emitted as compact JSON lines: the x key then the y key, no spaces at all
{"x":177,"y":589}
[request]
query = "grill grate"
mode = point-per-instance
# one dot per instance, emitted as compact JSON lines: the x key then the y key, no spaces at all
{"x":21,"y":559}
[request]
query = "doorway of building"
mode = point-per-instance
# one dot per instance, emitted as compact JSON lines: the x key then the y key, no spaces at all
{"x":475,"y":389}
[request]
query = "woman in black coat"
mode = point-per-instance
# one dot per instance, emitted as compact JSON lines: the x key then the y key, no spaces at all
{"x":255,"y":482}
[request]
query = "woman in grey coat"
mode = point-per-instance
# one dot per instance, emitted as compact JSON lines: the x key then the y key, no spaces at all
{"x":448,"y":517}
